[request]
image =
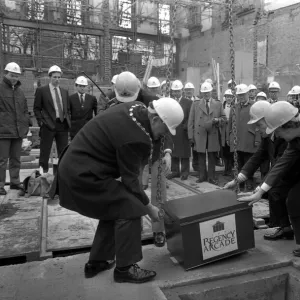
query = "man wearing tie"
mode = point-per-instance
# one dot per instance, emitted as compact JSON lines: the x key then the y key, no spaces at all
{"x":82,"y":106}
{"x":206,"y":118}
{"x":52,"y":111}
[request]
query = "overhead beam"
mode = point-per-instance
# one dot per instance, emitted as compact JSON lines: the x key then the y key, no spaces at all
{"x":81,"y":29}
{"x":51,"y":26}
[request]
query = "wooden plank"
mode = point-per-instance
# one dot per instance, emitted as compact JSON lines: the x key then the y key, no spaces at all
{"x":44,"y":254}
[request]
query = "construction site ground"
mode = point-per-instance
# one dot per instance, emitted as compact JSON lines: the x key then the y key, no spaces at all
{"x":40,"y":242}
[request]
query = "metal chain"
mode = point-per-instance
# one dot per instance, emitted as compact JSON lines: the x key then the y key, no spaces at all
{"x":172,"y":45}
{"x":255,"y":54}
{"x":232,"y":61}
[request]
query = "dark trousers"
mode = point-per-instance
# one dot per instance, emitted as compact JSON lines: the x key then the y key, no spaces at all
{"x":243,"y":157}
{"x":293,"y":206}
{"x":120,"y":239}
{"x":228,"y":159}
{"x":208,"y":173}
{"x":277,"y":196}
{"x":180,"y":166}
{"x":195,"y":161}
{"x":10,"y":149}
{"x":60,"y":134}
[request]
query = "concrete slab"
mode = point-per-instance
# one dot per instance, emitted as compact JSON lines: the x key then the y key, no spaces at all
{"x":20,"y":237}
{"x":62,"y":278}
{"x":69,"y":232}
{"x":21,"y":208}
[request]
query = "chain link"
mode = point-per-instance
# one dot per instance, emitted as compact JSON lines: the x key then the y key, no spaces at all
{"x":232,"y":65}
{"x":172,"y":45}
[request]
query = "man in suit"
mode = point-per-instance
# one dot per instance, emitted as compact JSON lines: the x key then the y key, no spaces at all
{"x":182,"y":149}
{"x":52,"y":111}
{"x":206,"y":117}
{"x":82,"y":106}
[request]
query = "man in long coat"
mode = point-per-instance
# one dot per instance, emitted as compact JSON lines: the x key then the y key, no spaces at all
{"x":82,"y":106}
{"x":248,"y":136}
{"x":206,"y":117}
{"x":115,"y":144}
{"x":182,"y":149}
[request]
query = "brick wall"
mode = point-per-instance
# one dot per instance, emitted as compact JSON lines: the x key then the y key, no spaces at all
{"x":282,"y":31}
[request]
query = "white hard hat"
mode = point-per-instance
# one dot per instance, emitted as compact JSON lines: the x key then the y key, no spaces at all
{"x":252,"y":87}
{"x":274,"y":85}
{"x":127,"y":87}
{"x":295,"y":90}
{"x":177,"y":85}
{"x":189,"y":85}
{"x":261,"y":94}
{"x":206,"y":87}
{"x":81,"y":80}
{"x":54,"y":69}
{"x":289,"y":93}
{"x":279,"y":113}
{"x":209,"y":80}
{"x":242,"y":89}
{"x":170,"y":112}
{"x":228,"y":93}
{"x":13,"y":67}
{"x":114,"y":79}
{"x":153,"y":82}
{"x":258,"y":110}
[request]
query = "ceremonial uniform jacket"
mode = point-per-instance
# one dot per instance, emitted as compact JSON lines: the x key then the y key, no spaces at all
{"x":81,"y":114}
{"x":110,"y":146}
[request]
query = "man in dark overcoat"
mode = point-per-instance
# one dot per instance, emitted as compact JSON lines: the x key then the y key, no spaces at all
{"x":82,"y":106}
{"x":182,"y":148}
{"x":116,"y":144}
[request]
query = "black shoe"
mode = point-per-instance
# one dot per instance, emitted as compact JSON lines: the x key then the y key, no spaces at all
{"x":278,"y":234}
{"x":17,"y":187}
{"x":296,"y":252}
{"x":212,"y":181}
{"x":200,"y":180}
{"x":173,"y":175}
{"x":134,"y":275}
{"x":184,"y":177}
{"x":92,"y":268}
{"x":2,"y":191}
{"x":159,"y":239}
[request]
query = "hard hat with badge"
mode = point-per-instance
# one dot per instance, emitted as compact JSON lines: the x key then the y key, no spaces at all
{"x":189,"y":85}
{"x":258,"y":110}
{"x":13,"y":68}
{"x":177,"y":85}
{"x":228,"y":92}
{"x":279,"y":114}
{"x":209,"y":80}
{"x":54,"y":69}
{"x":252,"y":87}
{"x":153,"y":82}
{"x":206,"y":87}
{"x":295,"y":90}
{"x":81,"y":80}
{"x":274,"y":86}
{"x":127,"y":87}
{"x":170,"y":112}
{"x":262,"y":94}
{"x":242,"y":89}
